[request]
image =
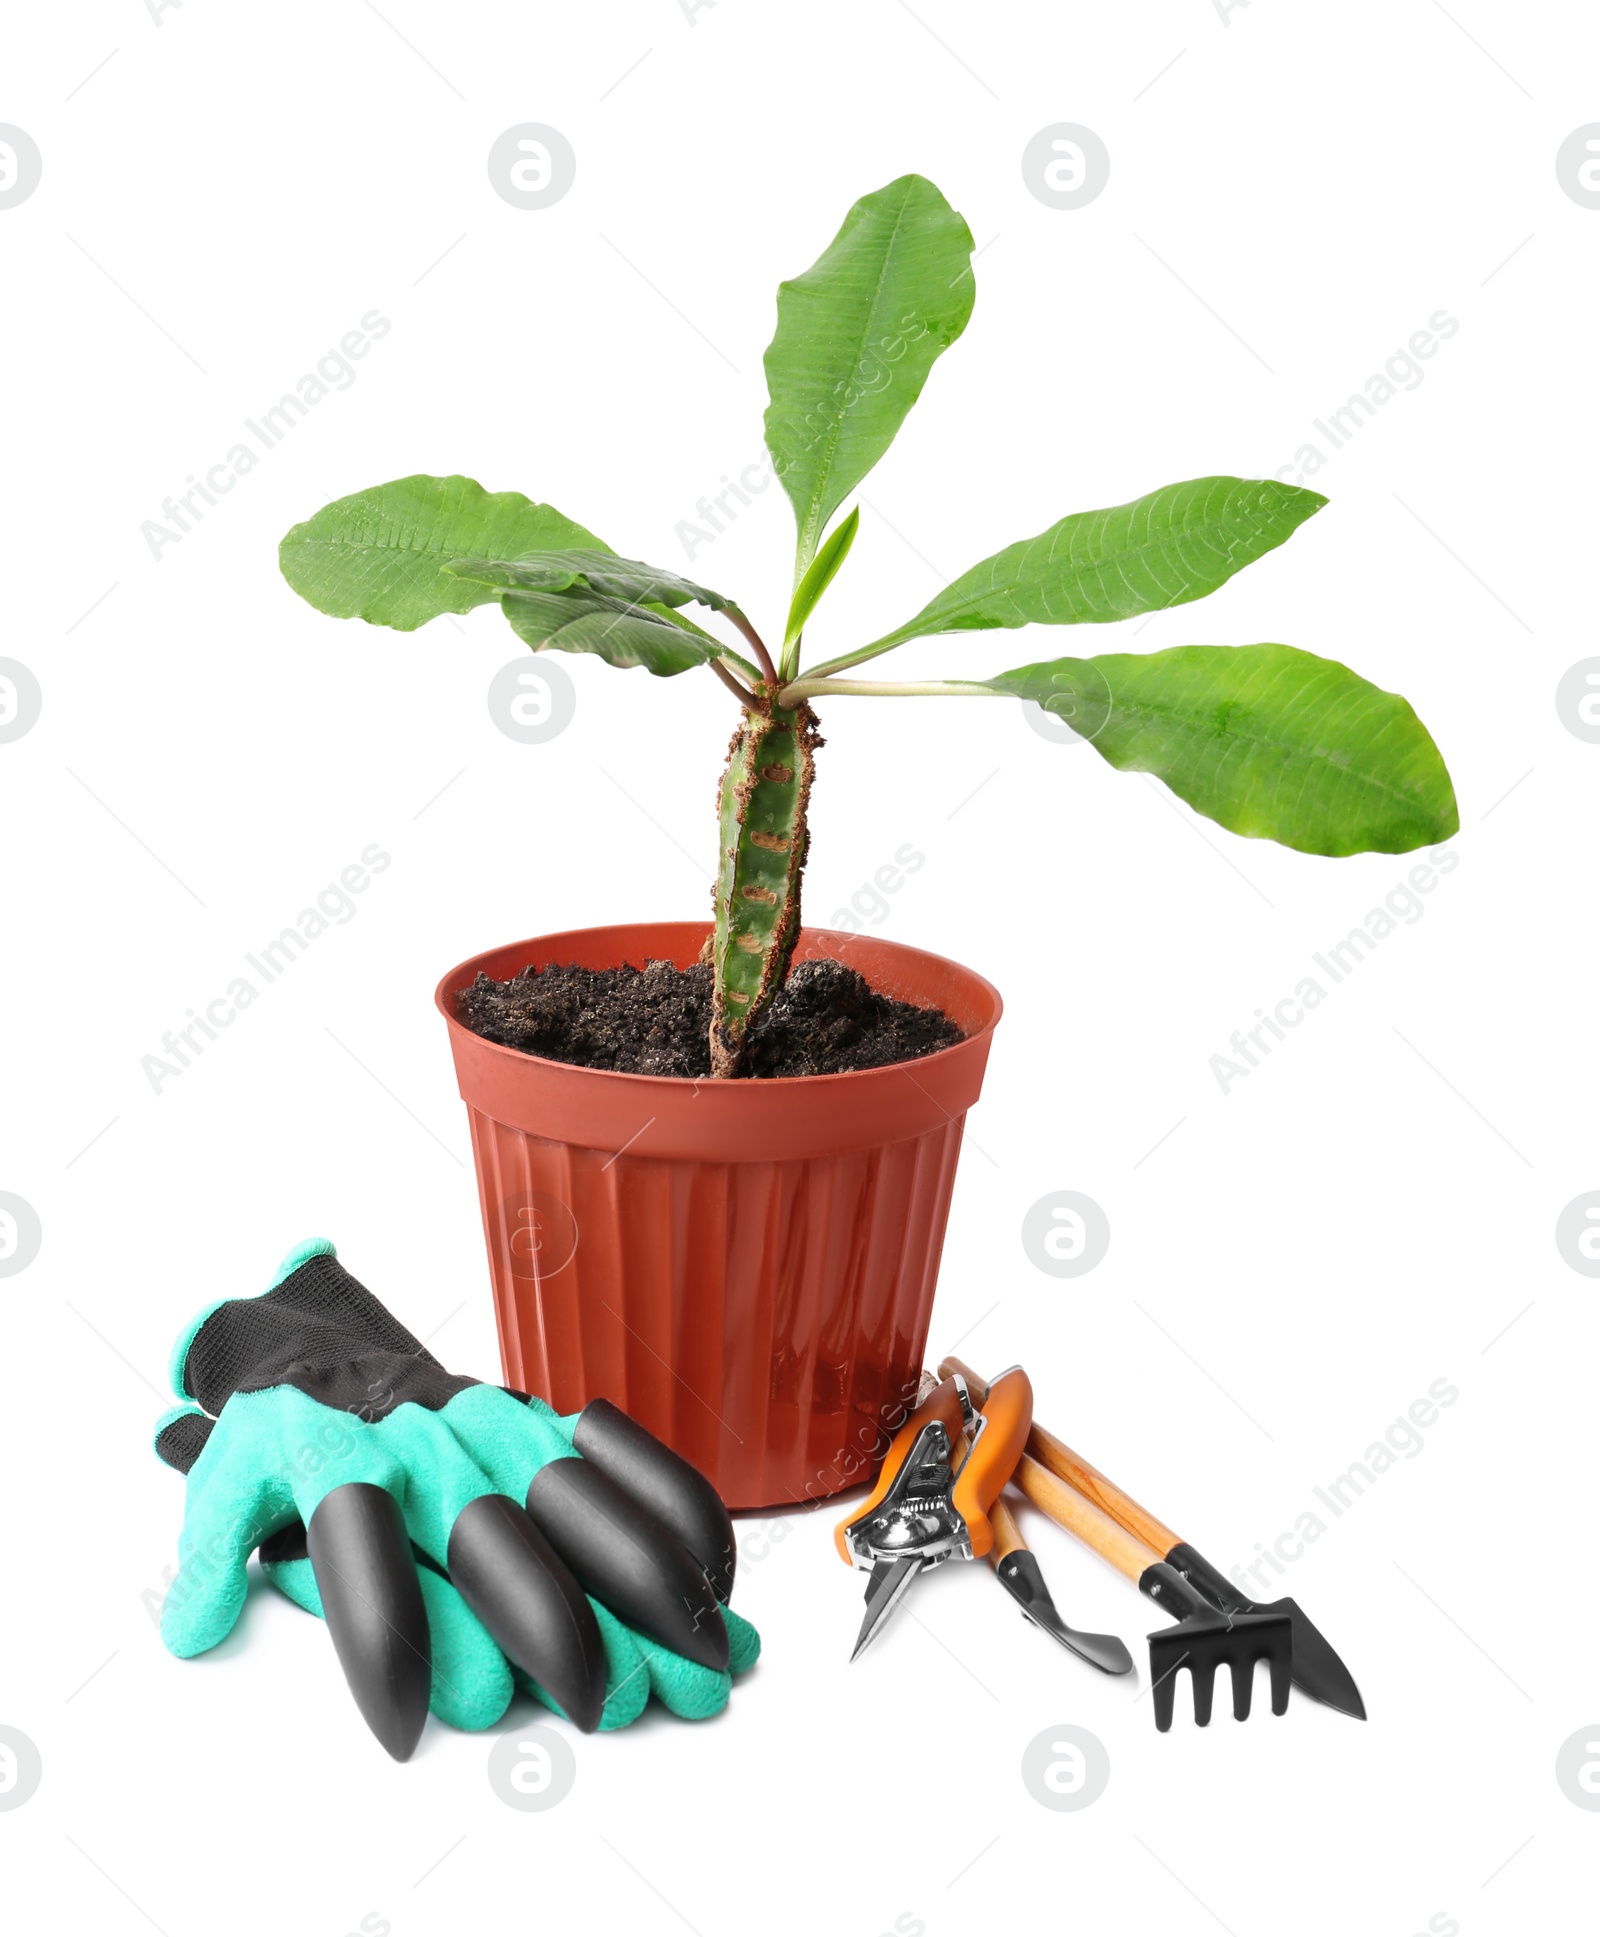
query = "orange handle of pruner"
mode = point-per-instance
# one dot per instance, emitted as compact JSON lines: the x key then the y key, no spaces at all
{"x":1007,"y":1420}
{"x":943,"y":1404}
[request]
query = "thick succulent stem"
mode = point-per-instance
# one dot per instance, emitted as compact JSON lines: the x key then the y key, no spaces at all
{"x":762,"y":854}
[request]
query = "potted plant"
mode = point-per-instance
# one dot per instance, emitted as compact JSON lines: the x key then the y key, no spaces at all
{"x":743,"y":1260}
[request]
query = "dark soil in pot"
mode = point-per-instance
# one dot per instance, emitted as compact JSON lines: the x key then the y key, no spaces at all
{"x":655,"y":1020}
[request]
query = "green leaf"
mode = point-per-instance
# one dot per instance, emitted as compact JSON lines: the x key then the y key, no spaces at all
{"x":1266,"y":740}
{"x":599,"y":571}
{"x":381,"y":555}
{"x":857,"y":335}
{"x":819,"y":575}
{"x":1174,"y":545}
{"x":623,"y":632}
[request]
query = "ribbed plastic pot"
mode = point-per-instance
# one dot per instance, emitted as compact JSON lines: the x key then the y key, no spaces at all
{"x":745,"y":1267}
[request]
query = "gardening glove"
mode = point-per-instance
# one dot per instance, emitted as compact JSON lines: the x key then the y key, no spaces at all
{"x":452,"y":1534}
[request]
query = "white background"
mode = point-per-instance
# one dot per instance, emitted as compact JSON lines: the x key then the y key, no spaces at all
{"x":1299,"y":191}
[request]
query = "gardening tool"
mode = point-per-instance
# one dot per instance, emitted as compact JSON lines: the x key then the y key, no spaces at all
{"x":449,"y":1532}
{"x":1017,"y":1568}
{"x":1204,"y":1638}
{"x":923,"y":1512}
{"x":1315,"y":1669}
{"x":937,"y":1498}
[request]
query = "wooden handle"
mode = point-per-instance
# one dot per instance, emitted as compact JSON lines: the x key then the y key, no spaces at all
{"x":1088,"y":1480}
{"x":1071,"y":1510}
{"x":1007,"y":1534}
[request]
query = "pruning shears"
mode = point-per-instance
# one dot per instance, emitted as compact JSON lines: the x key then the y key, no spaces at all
{"x":942,"y":1475}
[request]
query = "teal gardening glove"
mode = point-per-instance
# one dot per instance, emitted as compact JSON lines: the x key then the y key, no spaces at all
{"x":457,"y":1538}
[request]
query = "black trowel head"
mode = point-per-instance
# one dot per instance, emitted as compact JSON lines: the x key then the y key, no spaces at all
{"x":1020,"y":1576}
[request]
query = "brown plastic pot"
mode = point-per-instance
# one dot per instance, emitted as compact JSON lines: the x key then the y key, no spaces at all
{"x":746,"y":1267}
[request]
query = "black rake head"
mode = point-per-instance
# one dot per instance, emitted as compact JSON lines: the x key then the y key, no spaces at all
{"x":1205,"y":1642}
